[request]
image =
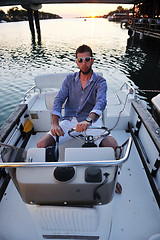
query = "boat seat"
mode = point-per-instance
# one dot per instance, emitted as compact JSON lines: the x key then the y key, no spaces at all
{"x":45,"y":101}
{"x":40,"y":110}
{"x":53,"y":80}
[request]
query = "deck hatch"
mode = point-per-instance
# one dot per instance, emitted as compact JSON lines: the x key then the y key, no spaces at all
{"x":34,"y":115}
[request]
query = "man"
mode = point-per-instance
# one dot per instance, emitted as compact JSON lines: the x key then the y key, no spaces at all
{"x":85,"y":96}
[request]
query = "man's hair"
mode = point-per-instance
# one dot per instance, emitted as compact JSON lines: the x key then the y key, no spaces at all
{"x":84,"y":48}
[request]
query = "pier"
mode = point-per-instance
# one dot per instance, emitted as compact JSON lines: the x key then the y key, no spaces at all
{"x":28,"y":2}
{"x":145,"y":19}
{"x":32,"y":7}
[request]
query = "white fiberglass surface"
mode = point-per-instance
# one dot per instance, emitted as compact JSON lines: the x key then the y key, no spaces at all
{"x":135,"y":211}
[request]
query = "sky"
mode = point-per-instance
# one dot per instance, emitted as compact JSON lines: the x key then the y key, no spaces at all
{"x":78,"y":10}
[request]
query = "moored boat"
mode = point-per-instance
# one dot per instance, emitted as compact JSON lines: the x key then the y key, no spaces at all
{"x":118,"y":17}
{"x":73,"y":196}
{"x":156,"y":108}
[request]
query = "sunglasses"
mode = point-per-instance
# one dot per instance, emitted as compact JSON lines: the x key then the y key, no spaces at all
{"x":86,"y":59}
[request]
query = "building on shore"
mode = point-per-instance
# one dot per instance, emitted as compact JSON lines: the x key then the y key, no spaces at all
{"x":118,"y":17}
{"x":145,"y":19}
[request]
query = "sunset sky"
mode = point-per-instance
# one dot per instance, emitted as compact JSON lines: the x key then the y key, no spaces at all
{"x":78,"y":10}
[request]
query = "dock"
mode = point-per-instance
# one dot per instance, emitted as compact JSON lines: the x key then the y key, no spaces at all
{"x":145,"y":19}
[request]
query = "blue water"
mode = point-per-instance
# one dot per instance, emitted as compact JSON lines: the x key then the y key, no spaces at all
{"x":117,"y":57}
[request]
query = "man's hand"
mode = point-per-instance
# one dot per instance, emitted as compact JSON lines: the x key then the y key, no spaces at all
{"x":82,"y":126}
{"x":57,"y":130}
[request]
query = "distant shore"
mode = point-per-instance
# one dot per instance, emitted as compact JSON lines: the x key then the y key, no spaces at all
{"x":16,"y":15}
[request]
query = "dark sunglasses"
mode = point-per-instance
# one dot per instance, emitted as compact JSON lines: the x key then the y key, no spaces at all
{"x":86,"y":59}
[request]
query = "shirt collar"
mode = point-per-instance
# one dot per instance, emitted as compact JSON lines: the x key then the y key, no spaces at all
{"x":90,"y":80}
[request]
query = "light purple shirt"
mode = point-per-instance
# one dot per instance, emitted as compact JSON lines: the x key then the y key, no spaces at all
{"x":81,"y":102}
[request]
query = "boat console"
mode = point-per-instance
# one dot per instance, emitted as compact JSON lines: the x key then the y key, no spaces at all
{"x":67,"y":184}
{"x":86,"y":177}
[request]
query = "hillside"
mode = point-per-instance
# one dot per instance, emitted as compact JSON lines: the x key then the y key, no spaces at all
{"x":14,"y":15}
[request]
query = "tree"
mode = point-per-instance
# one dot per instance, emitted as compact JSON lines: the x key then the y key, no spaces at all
{"x":2,"y":14}
{"x":120,"y":9}
{"x":13,"y":11}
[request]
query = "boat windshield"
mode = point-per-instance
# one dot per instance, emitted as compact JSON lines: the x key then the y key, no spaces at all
{"x":10,"y":154}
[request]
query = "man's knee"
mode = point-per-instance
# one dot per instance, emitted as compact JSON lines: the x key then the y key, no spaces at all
{"x":109,"y":142}
{"x":46,"y":141}
{"x":40,"y":144}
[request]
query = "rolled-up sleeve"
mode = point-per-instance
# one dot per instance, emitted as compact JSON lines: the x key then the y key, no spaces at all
{"x":101,"y":98}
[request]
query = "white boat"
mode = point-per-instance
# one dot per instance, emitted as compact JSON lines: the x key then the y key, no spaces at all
{"x":118,"y":17}
{"x":155,"y":109}
{"x":74,"y":197}
{"x":2,"y":21}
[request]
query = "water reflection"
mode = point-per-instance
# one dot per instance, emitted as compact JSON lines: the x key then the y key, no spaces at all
{"x":143,"y":61}
{"x":119,"y":60}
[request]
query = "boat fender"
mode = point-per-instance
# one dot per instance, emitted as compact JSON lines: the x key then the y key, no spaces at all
{"x":28,"y":126}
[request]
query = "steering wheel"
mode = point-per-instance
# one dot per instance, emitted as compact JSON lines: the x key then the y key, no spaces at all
{"x":85,"y":136}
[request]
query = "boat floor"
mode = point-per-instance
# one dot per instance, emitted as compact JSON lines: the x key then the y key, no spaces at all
{"x":135,"y":212}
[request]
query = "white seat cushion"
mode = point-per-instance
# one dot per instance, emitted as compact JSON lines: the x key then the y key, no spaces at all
{"x":53,"y":80}
{"x":49,"y":99}
{"x":89,"y":154}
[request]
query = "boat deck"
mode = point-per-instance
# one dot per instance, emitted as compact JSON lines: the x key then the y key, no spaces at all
{"x":135,"y":212}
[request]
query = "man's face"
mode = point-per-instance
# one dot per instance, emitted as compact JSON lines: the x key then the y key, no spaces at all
{"x":85,"y":65}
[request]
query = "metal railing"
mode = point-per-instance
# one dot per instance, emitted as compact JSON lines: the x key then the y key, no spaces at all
{"x":102,"y":163}
{"x":128,"y":86}
{"x":29,"y":90}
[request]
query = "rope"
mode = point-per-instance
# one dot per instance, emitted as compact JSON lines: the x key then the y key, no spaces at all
{"x":143,"y":90}
{"x":140,"y":90}
{"x":119,"y":115}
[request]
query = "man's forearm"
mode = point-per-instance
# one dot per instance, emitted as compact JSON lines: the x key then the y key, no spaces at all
{"x":56,"y":129}
{"x":93,"y":116}
{"x":55,"y":119}
{"x":82,"y":126}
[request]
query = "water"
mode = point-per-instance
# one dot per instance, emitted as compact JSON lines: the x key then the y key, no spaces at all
{"x":117,"y":57}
